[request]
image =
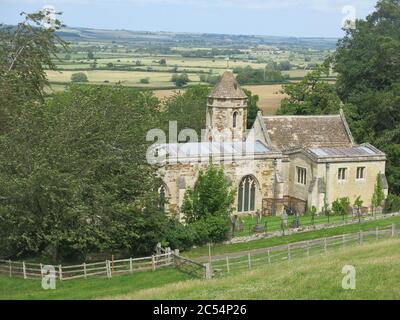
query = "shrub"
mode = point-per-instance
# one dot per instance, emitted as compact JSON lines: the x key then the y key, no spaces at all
{"x":341,"y":206}
{"x":145,"y":80}
{"x":79,"y":77}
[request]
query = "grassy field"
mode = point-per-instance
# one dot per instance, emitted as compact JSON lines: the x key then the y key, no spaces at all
{"x":320,"y":277}
{"x":94,"y":288}
{"x":273,"y":223}
{"x":157,"y":79}
{"x":270,"y":96}
{"x":220,"y":249}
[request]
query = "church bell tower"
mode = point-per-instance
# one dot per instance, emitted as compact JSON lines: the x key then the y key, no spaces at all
{"x":226,"y":111}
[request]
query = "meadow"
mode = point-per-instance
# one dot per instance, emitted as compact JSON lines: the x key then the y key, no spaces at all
{"x":319,"y":277}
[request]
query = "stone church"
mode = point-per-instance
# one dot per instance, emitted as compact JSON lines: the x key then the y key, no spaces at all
{"x":298,"y":161}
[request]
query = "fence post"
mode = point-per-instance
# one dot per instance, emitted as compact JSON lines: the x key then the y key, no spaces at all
{"x":130,"y":265}
{"x":393,"y":230}
{"x":325,"y":245}
{"x":41,"y":270}
{"x":208,"y":274}
{"x":24,"y":269}
{"x":108,"y":269}
{"x":288,"y":252}
{"x":249,"y":258}
{"x":9,"y":262}
{"x":153,"y":262}
{"x":84,"y":270}
{"x":269,"y":256}
{"x":60,"y":272}
{"x":343,"y":240}
{"x":308,"y":249}
{"x":377,"y":233}
{"x":227,"y":264}
{"x":360,"y":236}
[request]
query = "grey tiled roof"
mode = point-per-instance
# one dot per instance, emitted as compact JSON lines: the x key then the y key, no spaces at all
{"x":344,"y":152}
{"x":227,"y":88}
{"x":287,"y":132}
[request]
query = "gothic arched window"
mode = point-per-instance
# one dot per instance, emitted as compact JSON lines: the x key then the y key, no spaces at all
{"x":235,"y":114}
{"x":247,"y":194}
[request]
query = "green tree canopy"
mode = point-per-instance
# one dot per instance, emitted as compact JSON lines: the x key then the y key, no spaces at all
{"x":312,"y":95}
{"x":79,"y":77}
{"x":368,"y":66}
{"x":74,"y":177}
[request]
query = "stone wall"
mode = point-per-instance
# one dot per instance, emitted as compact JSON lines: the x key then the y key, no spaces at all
{"x":179,"y":177}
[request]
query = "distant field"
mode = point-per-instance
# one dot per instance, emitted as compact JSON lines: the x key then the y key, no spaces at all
{"x":319,"y":277}
{"x":126,"y":77}
{"x":270,"y":96}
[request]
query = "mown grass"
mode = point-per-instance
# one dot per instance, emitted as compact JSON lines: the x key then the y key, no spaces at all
{"x":220,"y":249}
{"x":84,"y":289}
{"x":320,"y":277}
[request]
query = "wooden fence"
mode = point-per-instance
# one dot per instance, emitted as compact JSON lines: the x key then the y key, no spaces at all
{"x":261,"y":257}
{"x":107,"y":268}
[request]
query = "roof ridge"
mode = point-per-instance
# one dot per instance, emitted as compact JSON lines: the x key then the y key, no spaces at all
{"x":303,"y":116}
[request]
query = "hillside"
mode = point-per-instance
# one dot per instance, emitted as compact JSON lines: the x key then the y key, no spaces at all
{"x":192,"y":39}
{"x":378,"y":277}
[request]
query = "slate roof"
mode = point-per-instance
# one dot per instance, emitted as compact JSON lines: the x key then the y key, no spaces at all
{"x":227,"y":88}
{"x":363,"y":150}
{"x":288,"y":132}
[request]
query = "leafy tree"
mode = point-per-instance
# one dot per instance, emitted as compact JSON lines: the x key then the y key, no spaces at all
{"x":79,"y":77}
{"x":192,"y":102}
{"x":74,"y":179}
{"x":252,"y":108}
{"x":90,"y":55}
{"x":25,"y":52}
{"x":369,"y":79}
{"x":358,"y":205}
{"x":341,"y":206}
{"x":163,"y":62}
{"x":180,"y":80}
{"x":207,"y":206}
{"x":378,"y":196}
{"x":248,"y":75}
{"x":312,"y":95}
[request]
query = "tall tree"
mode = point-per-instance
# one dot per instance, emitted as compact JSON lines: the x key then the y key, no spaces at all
{"x":368,"y":65}
{"x":74,"y":177}
{"x":312,"y":95}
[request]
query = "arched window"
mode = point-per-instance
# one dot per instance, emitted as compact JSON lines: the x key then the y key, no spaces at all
{"x":247,"y":195}
{"x":235,"y":114}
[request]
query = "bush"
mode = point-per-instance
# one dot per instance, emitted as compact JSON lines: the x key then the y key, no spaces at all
{"x":341,"y":206}
{"x":392,"y":203}
{"x":79,"y":77}
{"x":145,"y":80}
{"x":180,"y":80}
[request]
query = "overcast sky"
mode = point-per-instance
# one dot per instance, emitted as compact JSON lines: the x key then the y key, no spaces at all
{"x":305,"y":18}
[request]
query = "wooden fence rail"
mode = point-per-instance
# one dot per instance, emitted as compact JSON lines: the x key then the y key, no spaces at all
{"x":106,"y":268}
{"x":304,"y":249}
